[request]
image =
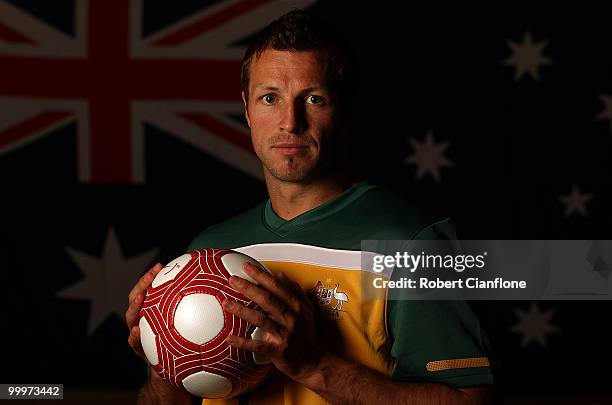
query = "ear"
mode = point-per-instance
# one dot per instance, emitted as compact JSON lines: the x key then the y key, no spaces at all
{"x":246,"y":110}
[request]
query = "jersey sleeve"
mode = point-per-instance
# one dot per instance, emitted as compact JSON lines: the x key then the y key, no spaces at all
{"x":437,"y":341}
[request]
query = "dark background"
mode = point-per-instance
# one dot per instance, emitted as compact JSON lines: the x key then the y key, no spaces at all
{"x":517,"y":146}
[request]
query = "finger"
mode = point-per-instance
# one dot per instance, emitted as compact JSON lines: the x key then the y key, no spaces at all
{"x":293,"y":286}
{"x":134,"y":341}
{"x":252,"y":345}
{"x":274,"y":285}
{"x":145,"y":281}
{"x":131,"y":315}
{"x":250,"y":315}
{"x":277,"y":310}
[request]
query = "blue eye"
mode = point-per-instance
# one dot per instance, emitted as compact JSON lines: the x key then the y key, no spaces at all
{"x":312,"y":99}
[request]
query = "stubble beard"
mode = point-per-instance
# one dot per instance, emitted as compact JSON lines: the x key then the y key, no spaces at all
{"x":290,"y":170}
{"x":300,"y":168}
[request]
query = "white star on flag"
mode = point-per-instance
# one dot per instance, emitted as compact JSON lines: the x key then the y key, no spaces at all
{"x":534,"y":325}
{"x":108,"y":279}
{"x":428,"y":156}
{"x":606,"y":113}
{"x":527,"y":57}
{"x":576,"y":201}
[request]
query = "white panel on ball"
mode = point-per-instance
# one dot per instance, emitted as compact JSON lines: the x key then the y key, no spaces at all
{"x":170,"y":270}
{"x":147,"y":338}
{"x":199,"y":318}
{"x":207,"y":385}
{"x":233,"y":263}
{"x":259,"y":358}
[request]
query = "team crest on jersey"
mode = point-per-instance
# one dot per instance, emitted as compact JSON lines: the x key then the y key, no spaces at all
{"x":330,"y":300}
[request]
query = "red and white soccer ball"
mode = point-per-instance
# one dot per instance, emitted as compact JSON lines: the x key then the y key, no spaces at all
{"x":183,"y":328}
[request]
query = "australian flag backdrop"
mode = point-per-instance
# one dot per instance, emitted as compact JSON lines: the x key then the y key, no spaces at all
{"x":122,"y":137}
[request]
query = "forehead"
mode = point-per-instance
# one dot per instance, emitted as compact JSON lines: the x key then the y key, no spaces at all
{"x":286,"y":68}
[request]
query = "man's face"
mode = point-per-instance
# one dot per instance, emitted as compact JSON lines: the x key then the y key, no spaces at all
{"x":291,"y":115}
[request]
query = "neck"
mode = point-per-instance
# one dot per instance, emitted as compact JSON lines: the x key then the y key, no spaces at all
{"x":290,"y":199}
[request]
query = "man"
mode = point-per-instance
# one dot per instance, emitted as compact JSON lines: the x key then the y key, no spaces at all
{"x":344,"y":348}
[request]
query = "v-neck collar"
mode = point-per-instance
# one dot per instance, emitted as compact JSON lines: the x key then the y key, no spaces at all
{"x":283,"y":228}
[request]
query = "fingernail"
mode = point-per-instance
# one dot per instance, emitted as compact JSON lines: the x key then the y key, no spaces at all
{"x":228,"y":303}
{"x":246,"y":266}
{"x":237,"y":281}
{"x":230,"y":339}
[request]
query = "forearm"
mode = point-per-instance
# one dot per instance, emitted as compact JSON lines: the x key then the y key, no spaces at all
{"x":343,"y":382}
{"x":157,"y":392}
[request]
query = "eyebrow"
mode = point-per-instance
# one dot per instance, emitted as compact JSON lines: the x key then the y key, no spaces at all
{"x":274,"y":88}
{"x":262,"y":87}
{"x":311,"y":89}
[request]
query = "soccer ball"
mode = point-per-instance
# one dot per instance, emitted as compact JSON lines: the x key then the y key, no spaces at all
{"x":183,"y":328}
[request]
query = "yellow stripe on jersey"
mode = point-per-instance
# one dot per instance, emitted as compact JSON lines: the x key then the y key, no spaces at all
{"x":470,"y":362}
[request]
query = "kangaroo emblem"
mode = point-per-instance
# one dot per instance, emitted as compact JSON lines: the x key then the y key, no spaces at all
{"x":324,"y":295}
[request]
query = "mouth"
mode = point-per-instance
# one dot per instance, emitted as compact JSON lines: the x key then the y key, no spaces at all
{"x":289,"y":148}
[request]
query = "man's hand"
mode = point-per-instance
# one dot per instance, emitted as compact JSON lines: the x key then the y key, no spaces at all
{"x":289,"y":338}
{"x":136,"y":298}
{"x":155,"y":390}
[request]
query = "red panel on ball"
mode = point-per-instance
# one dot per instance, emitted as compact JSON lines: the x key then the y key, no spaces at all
{"x":200,"y":272}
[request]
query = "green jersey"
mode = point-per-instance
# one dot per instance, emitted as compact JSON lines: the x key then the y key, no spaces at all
{"x":420,"y":341}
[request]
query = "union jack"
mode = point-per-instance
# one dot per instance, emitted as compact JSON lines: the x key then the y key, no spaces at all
{"x":110,"y":79}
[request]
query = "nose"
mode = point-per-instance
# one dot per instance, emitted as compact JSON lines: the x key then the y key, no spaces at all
{"x":293,"y":119}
